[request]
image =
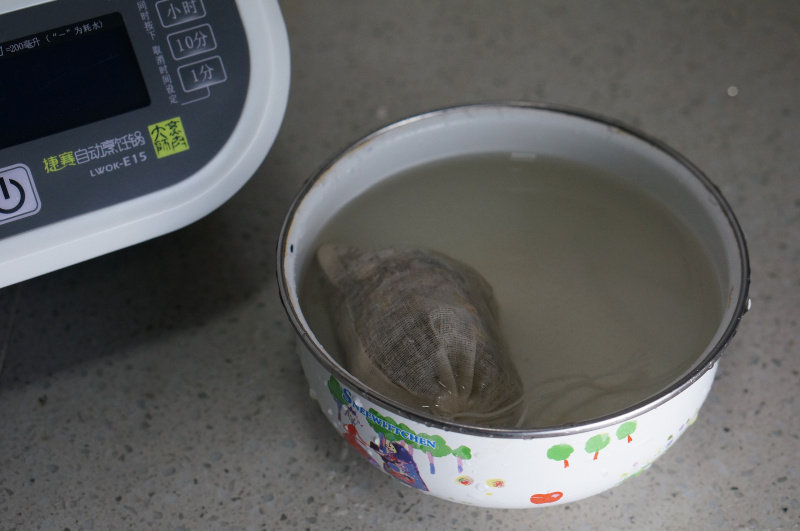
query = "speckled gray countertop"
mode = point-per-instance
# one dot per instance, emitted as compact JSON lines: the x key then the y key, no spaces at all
{"x":157,"y":387}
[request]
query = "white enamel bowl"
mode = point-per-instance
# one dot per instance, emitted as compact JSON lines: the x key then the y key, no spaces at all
{"x":506,"y":467}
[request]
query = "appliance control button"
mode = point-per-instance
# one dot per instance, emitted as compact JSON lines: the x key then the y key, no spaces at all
{"x":174,"y":12}
{"x":191,"y":42}
{"x":201,"y":74}
{"x":18,"y":195}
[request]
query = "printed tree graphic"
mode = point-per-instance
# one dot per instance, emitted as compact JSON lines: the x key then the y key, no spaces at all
{"x":560,"y":452}
{"x":461,"y":453}
{"x":597,"y":443}
{"x":441,"y":449}
{"x":626,"y":429}
{"x":336,"y":391}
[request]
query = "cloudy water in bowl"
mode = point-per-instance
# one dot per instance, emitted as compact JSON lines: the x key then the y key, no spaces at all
{"x":605,"y":297}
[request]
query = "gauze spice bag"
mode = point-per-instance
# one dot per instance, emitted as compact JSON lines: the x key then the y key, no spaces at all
{"x":421,"y":328}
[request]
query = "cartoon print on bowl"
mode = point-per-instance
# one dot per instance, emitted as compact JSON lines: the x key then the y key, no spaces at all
{"x":402,"y":452}
{"x":626,"y":429}
{"x":399,"y":462}
{"x":350,"y":422}
{"x":597,"y":443}
{"x":549,"y":497}
{"x":351,"y":435}
{"x":338,"y":395}
{"x":433,"y":445}
{"x":560,"y":452}
{"x":461,"y":453}
{"x":396,"y":442}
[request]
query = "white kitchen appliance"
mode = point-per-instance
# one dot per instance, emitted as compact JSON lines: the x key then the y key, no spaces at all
{"x":121,"y":120}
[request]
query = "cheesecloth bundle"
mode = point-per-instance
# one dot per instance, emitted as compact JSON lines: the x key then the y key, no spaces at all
{"x":421,"y":328}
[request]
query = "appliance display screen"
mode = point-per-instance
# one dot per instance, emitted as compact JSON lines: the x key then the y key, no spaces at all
{"x":66,"y":77}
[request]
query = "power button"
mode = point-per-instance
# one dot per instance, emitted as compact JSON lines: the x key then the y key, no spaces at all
{"x":18,"y":196}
